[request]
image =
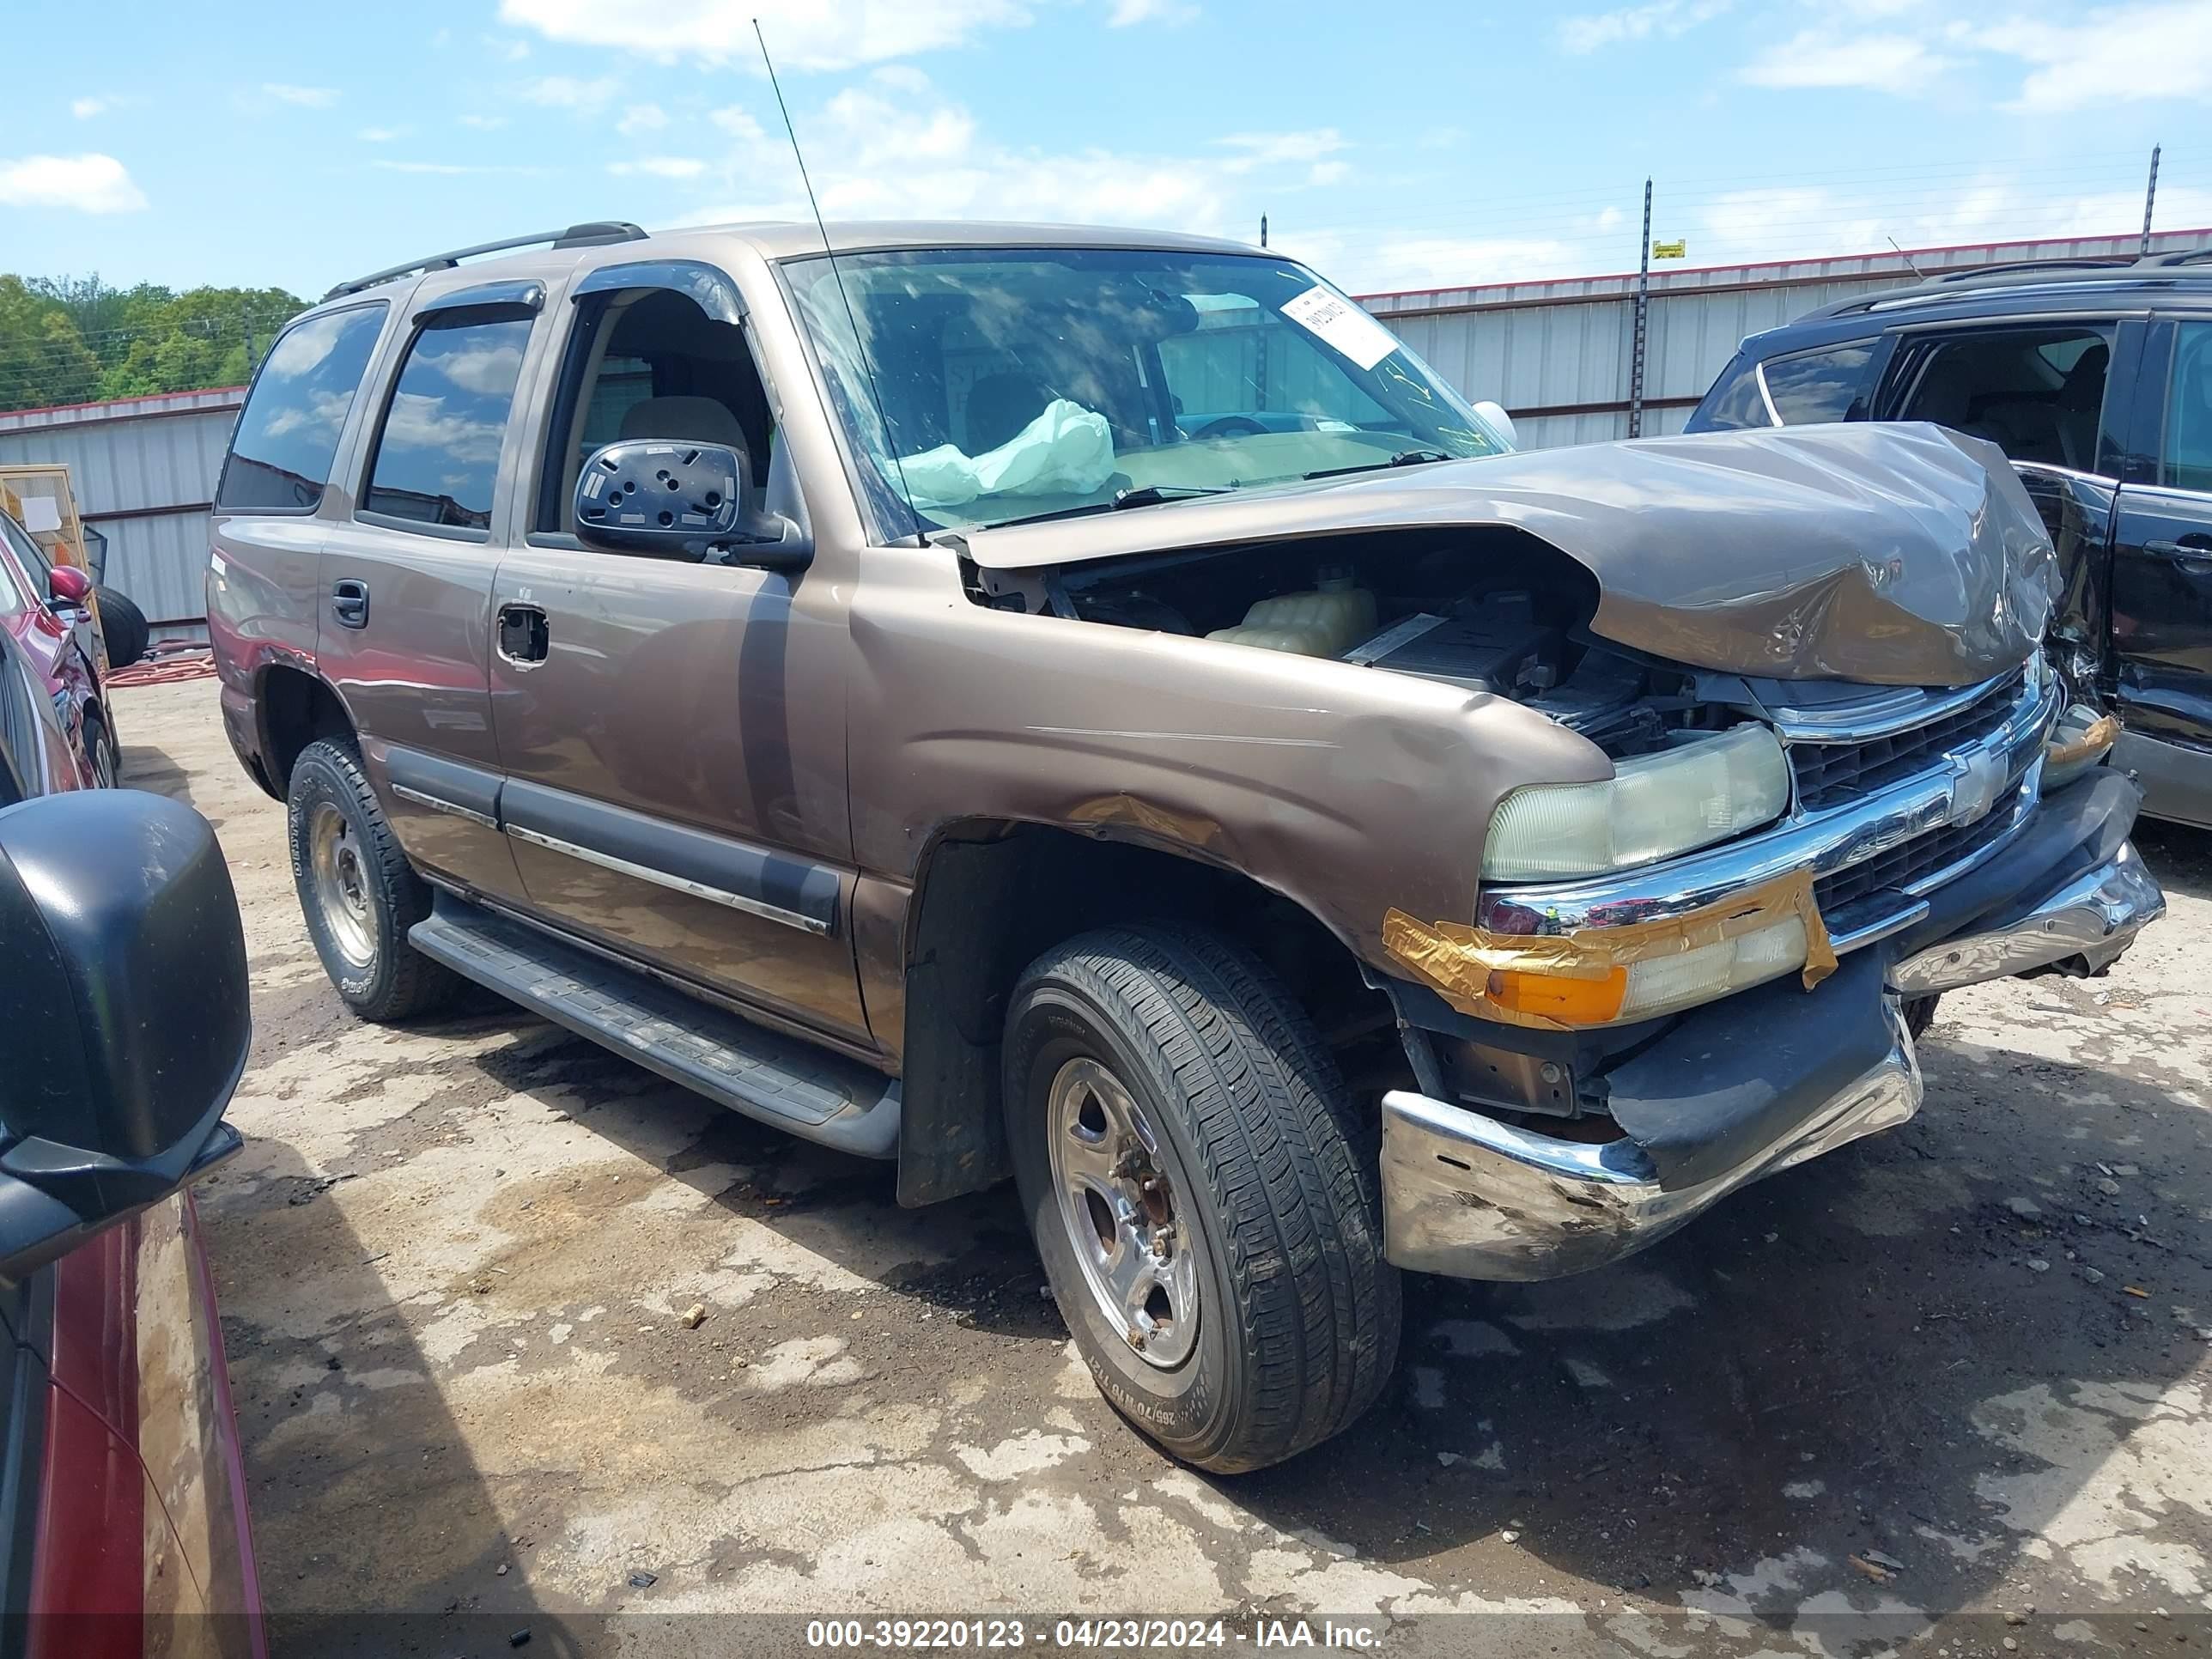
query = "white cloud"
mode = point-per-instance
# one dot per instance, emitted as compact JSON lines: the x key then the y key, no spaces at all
{"x":1666,"y":18}
{"x":2118,"y":53}
{"x":660,"y":167}
{"x":894,"y":146}
{"x":1817,"y":57}
{"x":1273,"y":148}
{"x":90,"y":182}
{"x":642,"y":117}
{"x":571,"y":92}
{"x":1128,"y":12}
{"x":380,"y":135}
{"x":453,"y":169}
{"x":484,"y":123}
{"x":803,"y":34}
{"x":85,"y":108}
{"x":305,"y":97}
{"x":739,"y":125}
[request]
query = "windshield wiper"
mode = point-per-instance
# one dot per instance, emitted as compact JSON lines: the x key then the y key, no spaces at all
{"x":1153,"y":494}
{"x":1403,"y":458}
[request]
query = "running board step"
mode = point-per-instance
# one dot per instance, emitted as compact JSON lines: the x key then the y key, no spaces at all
{"x":780,"y":1080}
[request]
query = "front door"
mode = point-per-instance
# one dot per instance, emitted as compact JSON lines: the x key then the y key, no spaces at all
{"x":2162,"y":594}
{"x":672,"y":733}
{"x":407,"y":575}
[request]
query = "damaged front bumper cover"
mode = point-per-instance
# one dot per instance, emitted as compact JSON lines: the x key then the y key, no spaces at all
{"x":1471,"y":1197}
{"x":1759,"y":1081}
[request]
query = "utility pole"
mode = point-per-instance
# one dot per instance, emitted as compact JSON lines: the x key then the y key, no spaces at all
{"x":1642,"y":316}
{"x":1263,"y":230}
{"x":2150,"y":200}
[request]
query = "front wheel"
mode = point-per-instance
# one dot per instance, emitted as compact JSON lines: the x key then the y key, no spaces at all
{"x":1206,"y":1203}
{"x":358,"y":892}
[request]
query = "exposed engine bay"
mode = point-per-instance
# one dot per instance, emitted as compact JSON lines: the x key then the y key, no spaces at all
{"x":1486,"y":611}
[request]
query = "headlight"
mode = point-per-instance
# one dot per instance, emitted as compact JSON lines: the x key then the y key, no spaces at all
{"x":1653,"y":807}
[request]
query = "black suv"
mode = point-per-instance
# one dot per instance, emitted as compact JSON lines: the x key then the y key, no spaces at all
{"x":2095,"y":378}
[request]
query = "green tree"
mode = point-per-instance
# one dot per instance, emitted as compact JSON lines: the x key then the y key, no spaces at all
{"x":43,"y":358}
{"x":66,"y":339}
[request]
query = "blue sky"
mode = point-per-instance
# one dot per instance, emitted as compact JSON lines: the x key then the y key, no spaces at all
{"x":1412,"y":144}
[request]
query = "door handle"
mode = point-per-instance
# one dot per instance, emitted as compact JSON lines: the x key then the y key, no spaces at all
{"x":523,"y":636}
{"x":349,"y":602}
{"x":2195,"y":545}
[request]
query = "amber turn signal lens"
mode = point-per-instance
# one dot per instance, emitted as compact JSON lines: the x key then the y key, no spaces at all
{"x":1556,"y":997}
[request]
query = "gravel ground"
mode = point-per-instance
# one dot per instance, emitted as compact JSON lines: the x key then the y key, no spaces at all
{"x":1945,"y":1391}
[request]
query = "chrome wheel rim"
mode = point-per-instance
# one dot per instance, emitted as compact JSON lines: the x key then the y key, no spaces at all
{"x":1123,"y":1201}
{"x":103,"y":763}
{"x":341,"y":885}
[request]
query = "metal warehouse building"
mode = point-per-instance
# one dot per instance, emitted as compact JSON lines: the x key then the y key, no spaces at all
{"x":1557,"y":353}
{"x":144,"y":471}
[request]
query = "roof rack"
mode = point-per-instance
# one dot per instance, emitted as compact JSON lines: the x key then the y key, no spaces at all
{"x":2078,"y":262}
{"x":2186,"y":255}
{"x":595,"y":233}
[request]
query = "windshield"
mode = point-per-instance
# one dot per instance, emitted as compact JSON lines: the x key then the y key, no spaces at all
{"x":1000,"y":384}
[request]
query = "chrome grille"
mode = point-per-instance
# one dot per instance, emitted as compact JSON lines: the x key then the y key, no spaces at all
{"x":1831,"y":773}
{"x":1921,"y":856}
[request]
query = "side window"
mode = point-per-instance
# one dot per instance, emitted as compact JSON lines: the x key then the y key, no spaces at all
{"x":2037,"y":393}
{"x":2185,"y":457}
{"x":1735,"y":401}
{"x":287,"y":433}
{"x":1811,"y":387}
{"x":648,"y":364}
{"x":436,"y":460}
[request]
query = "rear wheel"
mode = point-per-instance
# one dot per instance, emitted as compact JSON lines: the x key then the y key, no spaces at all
{"x":1206,"y":1207}
{"x":1920,"y":1014}
{"x":356,"y":890}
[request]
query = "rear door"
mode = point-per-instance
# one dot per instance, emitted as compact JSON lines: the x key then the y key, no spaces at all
{"x":2161,"y":584}
{"x":673,"y":733}
{"x":407,"y":575}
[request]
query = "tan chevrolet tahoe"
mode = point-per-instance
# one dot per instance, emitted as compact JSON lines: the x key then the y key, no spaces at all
{"x":1092,"y":708}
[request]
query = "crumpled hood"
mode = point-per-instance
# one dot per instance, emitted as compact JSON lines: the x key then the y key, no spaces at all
{"x":1890,"y":555}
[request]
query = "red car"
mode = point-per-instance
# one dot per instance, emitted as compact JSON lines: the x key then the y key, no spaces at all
{"x":122,"y":1522}
{"x":44,"y":606}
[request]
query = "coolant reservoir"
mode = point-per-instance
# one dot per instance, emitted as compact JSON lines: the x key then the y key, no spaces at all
{"x":1323,"y":622}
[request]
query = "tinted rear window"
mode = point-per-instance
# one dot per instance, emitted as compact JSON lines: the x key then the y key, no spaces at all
{"x":437,"y":459}
{"x":287,"y":433}
{"x":1818,"y":385}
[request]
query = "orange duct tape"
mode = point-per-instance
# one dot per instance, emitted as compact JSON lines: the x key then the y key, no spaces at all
{"x":1458,"y":959}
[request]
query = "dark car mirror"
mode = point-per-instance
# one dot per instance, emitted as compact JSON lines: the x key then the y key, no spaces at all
{"x":123,"y":970}
{"x":682,"y":500}
{"x":68,"y":585}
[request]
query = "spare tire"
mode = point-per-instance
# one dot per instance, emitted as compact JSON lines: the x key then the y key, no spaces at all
{"x":123,"y":625}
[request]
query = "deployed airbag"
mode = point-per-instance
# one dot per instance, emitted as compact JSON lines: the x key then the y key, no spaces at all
{"x":1067,"y":450}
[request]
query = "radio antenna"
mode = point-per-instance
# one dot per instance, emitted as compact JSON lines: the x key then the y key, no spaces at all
{"x":852,"y":319}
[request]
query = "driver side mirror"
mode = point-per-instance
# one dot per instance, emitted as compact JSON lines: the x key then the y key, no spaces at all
{"x":123,"y":970}
{"x":67,"y":585}
{"x":681,"y":500}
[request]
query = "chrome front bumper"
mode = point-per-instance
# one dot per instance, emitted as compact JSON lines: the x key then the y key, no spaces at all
{"x":1466,"y":1195}
{"x":2079,"y":930}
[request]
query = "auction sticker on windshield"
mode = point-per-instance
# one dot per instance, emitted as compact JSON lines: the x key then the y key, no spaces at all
{"x":1338,"y":323}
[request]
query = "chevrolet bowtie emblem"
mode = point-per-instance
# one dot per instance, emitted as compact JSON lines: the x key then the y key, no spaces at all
{"x":1976,"y":781}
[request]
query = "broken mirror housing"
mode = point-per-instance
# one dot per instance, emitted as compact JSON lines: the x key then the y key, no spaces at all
{"x":1653,"y":807}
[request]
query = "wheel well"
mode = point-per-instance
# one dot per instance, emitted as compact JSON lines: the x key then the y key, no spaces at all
{"x":995,"y":895}
{"x":296,"y":710}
